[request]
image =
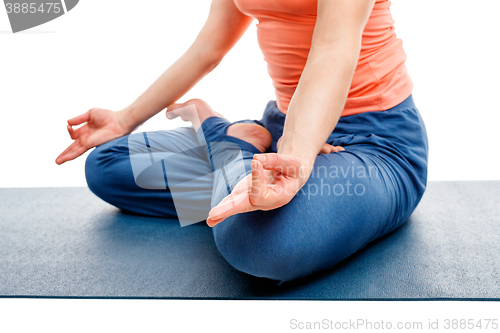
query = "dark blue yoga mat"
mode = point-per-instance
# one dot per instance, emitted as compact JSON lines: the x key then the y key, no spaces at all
{"x":65,"y":242}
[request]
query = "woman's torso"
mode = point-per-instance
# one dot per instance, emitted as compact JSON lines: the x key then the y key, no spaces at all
{"x":285,"y":30}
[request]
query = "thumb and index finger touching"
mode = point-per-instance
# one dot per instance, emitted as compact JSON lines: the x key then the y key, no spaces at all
{"x":288,"y":165}
{"x":75,"y":149}
{"x":79,"y":119}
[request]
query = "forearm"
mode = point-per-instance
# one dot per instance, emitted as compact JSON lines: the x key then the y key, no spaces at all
{"x":319,"y":100}
{"x":224,"y":27}
{"x":178,"y":79}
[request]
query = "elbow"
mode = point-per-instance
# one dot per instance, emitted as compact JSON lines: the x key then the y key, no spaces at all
{"x":213,"y":63}
{"x":344,"y":52}
{"x":348,"y":46}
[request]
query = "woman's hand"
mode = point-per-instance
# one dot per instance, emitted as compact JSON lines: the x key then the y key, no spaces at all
{"x":274,"y":181}
{"x":100,"y":126}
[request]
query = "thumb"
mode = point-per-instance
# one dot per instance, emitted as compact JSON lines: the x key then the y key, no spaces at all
{"x":79,"y":119}
{"x":288,"y":165}
{"x":258,"y":190}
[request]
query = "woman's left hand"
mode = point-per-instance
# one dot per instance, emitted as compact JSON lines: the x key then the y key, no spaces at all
{"x":274,"y":181}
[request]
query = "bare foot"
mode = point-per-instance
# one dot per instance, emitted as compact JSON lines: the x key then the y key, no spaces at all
{"x":197,"y":111}
{"x":254,"y":134}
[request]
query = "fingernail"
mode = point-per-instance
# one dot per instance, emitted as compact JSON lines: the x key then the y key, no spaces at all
{"x":261,"y":158}
{"x":212,"y":216}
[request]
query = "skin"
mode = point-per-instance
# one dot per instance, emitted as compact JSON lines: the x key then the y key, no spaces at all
{"x":312,"y":115}
{"x":224,"y":27}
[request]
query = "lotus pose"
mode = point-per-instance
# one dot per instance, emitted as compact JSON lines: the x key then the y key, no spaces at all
{"x":338,"y":159}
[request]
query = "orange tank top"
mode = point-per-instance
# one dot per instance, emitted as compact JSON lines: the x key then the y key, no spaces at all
{"x":284,"y":33}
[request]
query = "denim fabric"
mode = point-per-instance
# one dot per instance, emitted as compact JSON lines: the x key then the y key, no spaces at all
{"x":351,"y":198}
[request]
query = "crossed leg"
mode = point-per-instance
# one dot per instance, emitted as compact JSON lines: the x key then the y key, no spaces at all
{"x":352,"y":197}
{"x":135,"y":172}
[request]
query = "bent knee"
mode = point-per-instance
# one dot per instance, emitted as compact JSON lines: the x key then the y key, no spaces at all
{"x":94,"y":172}
{"x":103,"y":169}
{"x":253,"y":249}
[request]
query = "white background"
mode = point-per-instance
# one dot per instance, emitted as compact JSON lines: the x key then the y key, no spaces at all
{"x":106,"y":53}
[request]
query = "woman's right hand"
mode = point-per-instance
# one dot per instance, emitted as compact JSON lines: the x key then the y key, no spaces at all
{"x":101,"y":126}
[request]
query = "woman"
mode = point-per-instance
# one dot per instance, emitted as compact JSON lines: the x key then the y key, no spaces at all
{"x":338,"y":160}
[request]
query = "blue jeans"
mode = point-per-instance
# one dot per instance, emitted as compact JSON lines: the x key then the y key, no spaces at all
{"x":351,"y":198}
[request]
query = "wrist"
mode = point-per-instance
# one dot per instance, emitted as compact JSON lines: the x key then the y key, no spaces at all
{"x":306,"y":155}
{"x":306,"y":163}
{"x":126,"y":119}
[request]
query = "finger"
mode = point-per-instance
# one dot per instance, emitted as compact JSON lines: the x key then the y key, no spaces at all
{"x":232,"y":204}
{"x":336,"y":149}
{"x":288,"y":165}
{"x":325,"y":149}
{"x":79,"y":150}
{"x":226,"y":208}
{"x":68,"y":152}
{"x":72,"y":132}
{"x":61,"y":158}
{"x":235,"y":204}
{"x":79,"y":119}
{"x":212,"y":223}
{"x":259,"y":189}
